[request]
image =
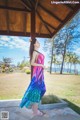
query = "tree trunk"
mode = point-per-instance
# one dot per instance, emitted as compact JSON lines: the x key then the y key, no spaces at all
{"x":55,"y":67}
{"x":51,"y":64}
{"x":67,"y":67}
{"x":70,"y":67}
{"x":59,"y":66}
{"x":64,"y":55}
{"x":75,"y":71}
{"x":51,"y":59}
{"x":62,"y":64}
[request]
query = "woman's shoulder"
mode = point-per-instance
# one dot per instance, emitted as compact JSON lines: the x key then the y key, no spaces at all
{"x":35,"y":52}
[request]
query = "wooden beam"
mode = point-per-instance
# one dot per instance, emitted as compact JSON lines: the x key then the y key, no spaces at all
{"x":37,"y":2}
{"x":49,"y":25}
{"x":15,"y":33}
{"x":40,"y":27}
{"x":24,"y":23}
{"x":30,"y":1}
{"x":32,"y":18}
{"x":26,"y":4}
{"x":69,"y":17}
{"x":48,"y":29}
{"x":33,"y":23}
{"x":50,"y":13}
{"x":13,"y":8}
{"x":68,"y":6}
{"x":33,"y":4}
{"x":42,"y":35}
{"x":44,"y":23}
{"x":7,"y":16}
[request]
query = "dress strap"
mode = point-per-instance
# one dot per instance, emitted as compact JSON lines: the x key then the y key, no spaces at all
{"x":37,"y":51}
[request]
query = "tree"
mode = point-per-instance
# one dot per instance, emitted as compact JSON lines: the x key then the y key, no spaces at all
{"x":23,"y":63}
{"x":64,"y":40}
{"x":69,"y":60}
{"x":5,"y":66}
{"x":49,"y":46}
{"x":7,"y":61}
{"x":65,"y":36}
{"x":72,"y":59}
{"x":54,"y":61}
{"x":75,"y":61}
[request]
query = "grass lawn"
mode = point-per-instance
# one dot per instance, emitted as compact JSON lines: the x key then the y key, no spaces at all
{"x":13,"y":86}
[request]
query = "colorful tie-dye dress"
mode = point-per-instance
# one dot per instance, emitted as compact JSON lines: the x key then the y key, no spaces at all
{"x":36,"y":88}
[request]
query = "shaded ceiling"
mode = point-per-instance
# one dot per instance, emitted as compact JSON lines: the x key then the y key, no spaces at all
{"x":15,"y":17}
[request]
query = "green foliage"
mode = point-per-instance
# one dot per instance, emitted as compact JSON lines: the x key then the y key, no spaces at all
{"x":10,"y":70}
{"x":64,"y":41}
{"x":7,"y":60}
{"x":28,"y":71}
{"x":3,"y":70}
{"x":72,"y":58}
{"x":6,"y":65}
{"x":49,"y":99}
{"x":23,"y":64}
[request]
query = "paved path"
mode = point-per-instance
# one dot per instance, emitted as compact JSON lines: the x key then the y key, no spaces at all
{"x":16,"y":113}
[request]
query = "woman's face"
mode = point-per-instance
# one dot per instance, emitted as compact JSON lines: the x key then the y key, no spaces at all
{"x":37,"y":44}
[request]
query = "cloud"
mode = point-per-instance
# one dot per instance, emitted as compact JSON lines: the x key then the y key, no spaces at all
{"x":4,"y":38}
{"x":77,"y":51}
{"x":14,"y":42}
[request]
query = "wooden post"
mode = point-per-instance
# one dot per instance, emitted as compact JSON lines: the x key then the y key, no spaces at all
{"x":33,"y":23}
{"x":32,"y":29}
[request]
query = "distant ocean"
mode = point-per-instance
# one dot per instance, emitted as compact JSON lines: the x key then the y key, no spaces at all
{"x":64,"y":70}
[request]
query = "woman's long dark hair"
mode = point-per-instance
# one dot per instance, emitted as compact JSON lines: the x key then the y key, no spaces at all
{"x":31,"y":49}
{"x":33,"y":41}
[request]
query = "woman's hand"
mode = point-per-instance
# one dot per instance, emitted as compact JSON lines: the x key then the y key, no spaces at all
{"x":43,"y":66}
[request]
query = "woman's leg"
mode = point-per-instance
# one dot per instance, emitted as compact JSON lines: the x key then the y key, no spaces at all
{"x":35,"y":109}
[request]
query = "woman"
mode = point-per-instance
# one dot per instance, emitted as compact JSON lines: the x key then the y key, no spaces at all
{"x":36,"y":88}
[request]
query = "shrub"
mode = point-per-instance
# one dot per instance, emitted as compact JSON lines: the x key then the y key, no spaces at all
{"x":11,"y":70}
{"x":49,"y":99}
{"x":28,"y":71}
{"x":3,"y":70}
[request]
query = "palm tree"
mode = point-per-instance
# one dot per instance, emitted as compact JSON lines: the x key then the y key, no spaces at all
{"x":54,"y":61}
{"x":69,"y":60}
{"x":75,"y":61}
{"x":72,"y":58}
{"x":66,"y":60}
{"x":58,"y":63}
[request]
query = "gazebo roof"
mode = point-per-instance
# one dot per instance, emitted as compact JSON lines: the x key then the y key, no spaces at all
{"x":15,"y":17}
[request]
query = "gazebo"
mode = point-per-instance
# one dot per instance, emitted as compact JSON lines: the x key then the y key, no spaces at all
{"x":35,"y":18}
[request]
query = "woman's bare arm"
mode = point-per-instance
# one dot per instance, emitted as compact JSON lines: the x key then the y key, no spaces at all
{"x":33,"y":60}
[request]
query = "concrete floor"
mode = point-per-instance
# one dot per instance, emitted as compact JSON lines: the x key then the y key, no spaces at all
{"x":16,"y":113}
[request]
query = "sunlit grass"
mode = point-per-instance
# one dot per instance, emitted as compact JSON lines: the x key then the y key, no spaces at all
{"x":13,"y":86}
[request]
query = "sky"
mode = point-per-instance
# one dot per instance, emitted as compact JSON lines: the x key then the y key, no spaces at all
{"x":17,"y":48}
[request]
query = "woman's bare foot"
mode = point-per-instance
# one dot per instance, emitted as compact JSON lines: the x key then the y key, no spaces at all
{"x":39,"y":113}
